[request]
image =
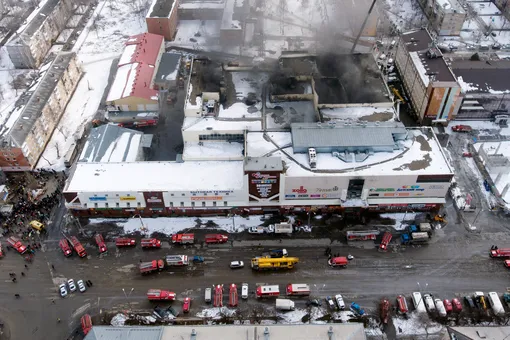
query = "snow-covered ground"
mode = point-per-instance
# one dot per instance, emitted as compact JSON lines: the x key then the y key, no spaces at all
{"x":215,"y":312}
{"x":415,"y":324}
{"x":172,"y":225}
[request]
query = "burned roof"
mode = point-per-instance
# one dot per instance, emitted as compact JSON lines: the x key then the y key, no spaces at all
{"x":484,"y":76}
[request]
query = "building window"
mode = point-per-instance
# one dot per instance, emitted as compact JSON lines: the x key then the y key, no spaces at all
{"x":172,"y":195}
{"x":205,"y":194}
{"x":203,"y":204}
{"x":128,"y":205}
{"x":228,"y":137}
{"x":182,"y":194}
{"x":95,"y":205}
{"x":225,"y":204}
{"x":194,"y":194}
{"x":193,"y":204}
{"x":117,"y":205}
{"x":182,"y":204}
{"x":171,"y":204}
{"x":139,"y":205}
{"x":213,"y":204}
{"x":85,"y":205}
{"x":226,"y":194}
{"x":106,"y":205}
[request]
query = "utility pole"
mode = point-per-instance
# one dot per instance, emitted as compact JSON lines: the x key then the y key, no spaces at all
{"x":363,"y":26}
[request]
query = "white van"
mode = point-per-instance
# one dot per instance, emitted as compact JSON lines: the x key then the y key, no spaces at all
{"x":208,"y":295}
{"x":244,"y":291}
{"x":496,"y":304}
{"x":418,"y":303}
{"x":429,"y":302}
{"x":441,"y":310}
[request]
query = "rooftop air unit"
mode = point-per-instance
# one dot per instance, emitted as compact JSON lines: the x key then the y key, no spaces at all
{"x":312,"y":158}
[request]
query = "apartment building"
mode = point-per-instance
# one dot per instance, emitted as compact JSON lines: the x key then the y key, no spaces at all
{"x":445,"y":16}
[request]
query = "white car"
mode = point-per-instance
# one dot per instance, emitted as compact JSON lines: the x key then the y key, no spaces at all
{"x":244,"y":291}
{"x":81,"y":286}
{"x":429,"y":303}
{"x":340,"y":301}
{"x":236,"y":264}
{"x":72,"y":286}
{"x":63,"y":290}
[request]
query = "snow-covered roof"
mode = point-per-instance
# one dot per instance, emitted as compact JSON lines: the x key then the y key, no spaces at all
{"x":421,"y":154}
{"x":212,"y":124}
{"x":213,"y":151}
{"x":133,"y":80}
{"x":160,"y":176}
{"x":142,"y":48}
{"x":482,"y":76}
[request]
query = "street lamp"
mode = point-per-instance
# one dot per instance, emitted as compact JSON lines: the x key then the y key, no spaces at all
{"x":141,"y":221}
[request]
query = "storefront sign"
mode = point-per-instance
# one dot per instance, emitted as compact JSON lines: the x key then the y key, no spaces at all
{"x":207,"y":198}
{"x":154,"y":200}
{"x":264,"y":184}
{"x":411,"y":188}
{"x":96,"y":198}
{"x":127,"y":198}
{"x":215,"y":192}
{"x":381,"y":189}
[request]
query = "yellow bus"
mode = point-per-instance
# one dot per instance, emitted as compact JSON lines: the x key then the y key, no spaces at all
{"x":261,"y":263}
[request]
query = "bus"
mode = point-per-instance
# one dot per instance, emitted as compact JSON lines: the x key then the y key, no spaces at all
{"x":298,"y":289}
{"x":70,"y":155}
{"x":261,"y":263}
{"x":267,"y":291}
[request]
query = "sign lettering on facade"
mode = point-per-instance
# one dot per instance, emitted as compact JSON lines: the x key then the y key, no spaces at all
{"x":264,"y":184}
{"x":127,"y":198}
{"x":95,"y":198}
{"x":207,"y":198}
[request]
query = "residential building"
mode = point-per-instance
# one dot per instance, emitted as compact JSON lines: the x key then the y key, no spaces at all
{"x":133,"y":87}
{"x":162,"y":18}
{"x":346,"y":331}
{"x":446,"y":16}
{"x":27,"y":47}
{"x":504,"y":6}
{"x":24,"y":144}
{"x":428,"y":80}
{"x":486,"y":89}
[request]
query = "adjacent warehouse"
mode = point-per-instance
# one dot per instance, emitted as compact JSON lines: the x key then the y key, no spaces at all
{"x":433,"y":89}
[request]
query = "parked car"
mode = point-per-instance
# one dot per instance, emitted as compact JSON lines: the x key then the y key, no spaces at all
{"x":186,"y":305}
{"x":429,"y":302}
{"x":63,"y":290}
{"x":72,"y":286}
{"x":81,"y":286}
{"x":441,"y":310}
{"x":469,"y":302}
{"x":236,"y":264}
{"x":340,"y":301}
{"x":457,"y":306}
{"x":330,"y":303}
{"x":448,"y":305}
{"x":244,"y":291}
{"x":314,"y":302}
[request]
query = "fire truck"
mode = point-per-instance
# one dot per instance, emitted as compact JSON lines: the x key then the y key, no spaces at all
{"x":150,"y":243}
{"x":177,"y":260}
{"x":298,"y":289}
{"x":218,"y":296}
{"x":215,"y":238}
{"x":125,"y":242}
{"x":232,"y":295}
{"x":100,"y":243}
{"x":385,"y":241}
{"x":267,"y":291}
{"x":149,"y":267}
{"x":78,"y":248}
{"x":66,"y":249}
{"x":1,"y":251}
{"x":496,"y":252}
{"x":16,"y":244}
{"x":86,"y":323}
{"x":364,"y":235}
{"x":260,"y":263}
{"x":158,"y":295}
{"x":183,"y":238}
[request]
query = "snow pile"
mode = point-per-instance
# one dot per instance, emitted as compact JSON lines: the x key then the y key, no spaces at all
{"x":213,"y":151}
{"x":172,"y":225}
{"x":466,"y":87}
{"x":457,"y":195}
{"x":119,"y":320}
{"x":240,"y":110}
{"x":215,"y":312}
{"x":292,"y":317}
{"x":416,"y":324}
{"x":343,"y":316}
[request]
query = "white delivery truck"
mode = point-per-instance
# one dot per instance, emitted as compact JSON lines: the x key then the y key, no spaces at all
{"x":496,"y":304}
{"x":283,"y":228}
{"x":284,"y":304}
{"x":418,"y":302}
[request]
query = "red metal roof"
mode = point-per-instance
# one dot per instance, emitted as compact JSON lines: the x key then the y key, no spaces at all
{"x":147,"y":47}
{"x":142,"y":85}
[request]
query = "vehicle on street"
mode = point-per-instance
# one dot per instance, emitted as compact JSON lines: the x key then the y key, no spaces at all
{"x":208,"y":295}
{"x":496,"y":305}
{"x":63,"y":290}
{"x":355,"y":308}
{"x":86,"y":323}
{"x":441,"y":310}
{"x":267,"y":291}
{"x":37,"y":225}
{"x":198,"y":259}
{"x":467,"y":154}
{"x":15,"y":242}
{"x":340,"y":261}
{"x":186,"y":305}
{"x":383,"y":246}
{"x":507,"y":263}
{"x":81,"y":286}
{"x":469,"y":302}
{"x":284,"y":304}
{"x":78,"y":248}
{"x":330,"y":303}
{"x":429,"y":303}
{"x":385,"y":310}
{"x":272,"y":263}
{"x":72,"y":286}
{"x":183,"y":238}
{"x":340,"y":301}
{"x":457,"y":306}
{"x":232,"y":295}
{"x":314,"y":302}
{"x":177,"y":260}
{"x":236,"y":264}
{"x":244,"y":291}
{"x":415,"y":238}
{"x":506,"y":298}
{"x":480,"y":301}
{"x":462,"y":128}
{"x":215,"y":238}
{"x":64,"y":246}
{"x":278,"y":253}
{"x":298,"y":289}
{"x":402,"y":304}
{"x":496,"y":252}
{"x":100,"y":243}
{"x":151,"y":266}
{"x":448,"y":306}
{"x":150,"y":243}
{"x":160,"y":295}
{"x":218,"y":296}
{"x":283,"y":228}
{"x":125,"y":242}
{"x":418,"y":303}
{"x":366,"y":235}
